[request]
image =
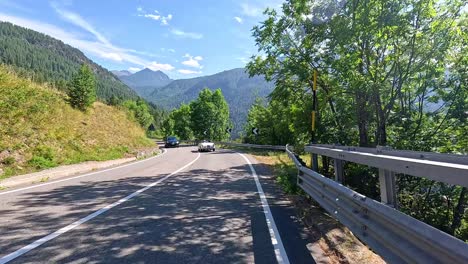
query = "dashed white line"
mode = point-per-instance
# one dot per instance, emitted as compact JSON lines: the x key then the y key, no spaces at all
{"x":278,"y":246}
{"x":81,"y":176}
{"x":75,"y":224}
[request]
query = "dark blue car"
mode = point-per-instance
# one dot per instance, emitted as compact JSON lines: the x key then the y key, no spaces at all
{"x":171,"y":142}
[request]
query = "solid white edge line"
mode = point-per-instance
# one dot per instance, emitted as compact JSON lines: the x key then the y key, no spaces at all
{"x":83,"y":175}
{"x":278,"y":246}
{"x":75,"y":224}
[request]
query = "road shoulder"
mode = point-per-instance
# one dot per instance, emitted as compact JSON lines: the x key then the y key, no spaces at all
{"x":300,"y":245}
{"x":65,"y":171}
{"x":329,"y":240}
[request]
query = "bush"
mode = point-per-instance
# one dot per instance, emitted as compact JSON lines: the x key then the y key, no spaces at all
{"x":82,"y":90}
{"x":8,"y":161}
{"x":41,"y":162}
{"x":43,"y":157}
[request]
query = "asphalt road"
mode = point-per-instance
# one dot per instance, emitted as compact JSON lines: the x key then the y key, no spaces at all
{"x":181,"y":207}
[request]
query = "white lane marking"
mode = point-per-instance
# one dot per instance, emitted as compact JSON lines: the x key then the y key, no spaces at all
{"x":80,"y":176}
{"x":280,"y":252}
{"x":75,"y":224}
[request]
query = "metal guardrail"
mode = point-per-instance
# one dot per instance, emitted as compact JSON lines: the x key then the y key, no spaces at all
{"x":272,"y":147}
{"x":380,"y":150}
{"x":397,"y":237}
{"x":451,"y":169}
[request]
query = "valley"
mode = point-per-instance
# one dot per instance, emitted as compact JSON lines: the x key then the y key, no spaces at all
{"x":239,"y":89}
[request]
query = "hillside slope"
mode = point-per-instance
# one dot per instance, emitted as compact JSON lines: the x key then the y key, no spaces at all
{"x":38,"y":129}
{"x":46,"y":59}
{"x":239,"y":90}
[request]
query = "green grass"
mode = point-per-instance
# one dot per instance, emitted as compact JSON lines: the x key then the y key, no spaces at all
{"x":41,"y":130}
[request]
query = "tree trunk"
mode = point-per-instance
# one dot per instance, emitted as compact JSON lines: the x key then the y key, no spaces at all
{"x":381,"y":133}
{"x":459,"y":211}
{"x":325,"y":164}
{"x":362,"y":119}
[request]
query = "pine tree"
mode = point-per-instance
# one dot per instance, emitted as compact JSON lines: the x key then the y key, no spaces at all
{"x":82,"y":90}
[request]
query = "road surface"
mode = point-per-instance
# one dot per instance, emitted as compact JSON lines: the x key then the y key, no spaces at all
{"x":180,"y":207}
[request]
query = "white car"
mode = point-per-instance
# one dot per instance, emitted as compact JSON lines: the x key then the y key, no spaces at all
{"x":206,"y":146}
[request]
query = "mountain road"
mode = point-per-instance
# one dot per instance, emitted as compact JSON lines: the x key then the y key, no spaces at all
{"x":179,"y":207}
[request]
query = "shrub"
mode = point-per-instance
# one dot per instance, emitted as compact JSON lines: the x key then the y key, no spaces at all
{"x":41,"y":162}
{"x":43,"y":157}
{"x":8,"y":161}
{"x":82,"y":90}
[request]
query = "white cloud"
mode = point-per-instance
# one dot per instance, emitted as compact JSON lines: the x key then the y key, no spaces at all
{"x":184,"y":34}
{"x":156,"y":16}
{"x":255,"y":8}
{"x":134,"y":69}
{"x":184,"y":71}
{"x":112,"y":56}
{"x":155,"y":66}
{"x":165,"y":20}
{"x":251,"y":10}
{"x":80,"y":22}
{"x":243,"y":60}
{"x":101,"y":47}
{"x":192,"y":61}
{"x":167,"y":50}
{"x":238,"y":19}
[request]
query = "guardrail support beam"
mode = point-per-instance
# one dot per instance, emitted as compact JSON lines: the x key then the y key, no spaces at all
{"x":338,"y":167}
{"x":388,"y":188}
{"x":315,"y":162}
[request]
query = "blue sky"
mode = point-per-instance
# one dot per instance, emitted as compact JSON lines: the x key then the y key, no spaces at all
{"x":182,"y":38}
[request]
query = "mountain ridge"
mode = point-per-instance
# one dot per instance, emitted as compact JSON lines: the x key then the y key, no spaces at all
{"x":47,"y":59}
{"x":239,"y":89}
{"x":143,"y":82}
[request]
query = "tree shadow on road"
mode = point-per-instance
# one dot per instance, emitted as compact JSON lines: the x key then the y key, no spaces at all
{"x":197,"y":216}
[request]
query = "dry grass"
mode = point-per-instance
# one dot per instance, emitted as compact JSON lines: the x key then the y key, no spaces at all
{"x":39,"y":129}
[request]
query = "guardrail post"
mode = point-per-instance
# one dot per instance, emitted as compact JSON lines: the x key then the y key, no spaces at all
{"x":338,"y":167}
{"x":315,"y":162}
{"x":298,"y":179}
{"x":388,"y":188}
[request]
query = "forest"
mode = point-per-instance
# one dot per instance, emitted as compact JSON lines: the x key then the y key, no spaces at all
{"x":389,"y":73}
{"x":207,"y":117}
{"x":42,"y":59}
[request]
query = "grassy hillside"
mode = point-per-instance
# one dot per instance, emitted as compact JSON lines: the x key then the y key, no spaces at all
{"x":38,"y":129}
{"x":46,"y":59}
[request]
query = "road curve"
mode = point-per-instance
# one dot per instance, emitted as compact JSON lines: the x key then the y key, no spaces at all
{"x":182,"y":207}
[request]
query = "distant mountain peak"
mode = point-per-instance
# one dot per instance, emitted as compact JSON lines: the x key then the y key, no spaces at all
{"x":149,"y":75}
{"x":121,"y":73}
{"x":141,"y":80}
